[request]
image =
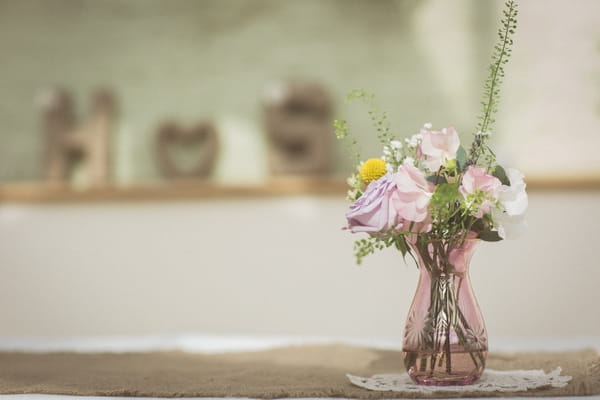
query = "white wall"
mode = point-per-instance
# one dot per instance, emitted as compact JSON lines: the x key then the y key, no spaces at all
{"x":273,"y":266}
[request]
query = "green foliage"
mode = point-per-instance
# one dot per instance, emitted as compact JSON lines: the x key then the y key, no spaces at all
{"x":491,"y":88}
{"x":400,"y":243}
{"x":383,"y":239}
{"x":485,"y":227}
{"x":378,"y":117}
{"x":341,"y":128}
{"x":445,"y":206}
{"x":489,"y":236}
{"x":461,"y":159}
{"x":435,"y":179}
{"x":444,"y":195}
{"x":500,"y":173}
{"x":341,"y":132}
{"x":474,"y":200}
{"x":364,"y":247}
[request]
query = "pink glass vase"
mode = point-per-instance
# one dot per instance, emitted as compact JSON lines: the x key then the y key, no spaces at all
{"x":445,"y":340}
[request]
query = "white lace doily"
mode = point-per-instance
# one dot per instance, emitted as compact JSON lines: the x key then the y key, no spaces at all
{"x":490,"y":381}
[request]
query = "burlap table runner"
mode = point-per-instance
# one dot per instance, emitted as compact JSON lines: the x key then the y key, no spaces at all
{"x":306,"y":371}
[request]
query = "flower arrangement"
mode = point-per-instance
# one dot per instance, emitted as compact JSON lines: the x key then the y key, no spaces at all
{"x":434,"y":199}
{"x":428,"y":186}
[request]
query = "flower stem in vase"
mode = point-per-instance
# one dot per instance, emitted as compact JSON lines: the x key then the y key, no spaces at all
{"x":445,"y":342}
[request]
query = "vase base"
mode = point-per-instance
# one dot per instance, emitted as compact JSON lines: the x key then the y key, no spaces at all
{"x":428,"y":369}
{"x":444,"y":381}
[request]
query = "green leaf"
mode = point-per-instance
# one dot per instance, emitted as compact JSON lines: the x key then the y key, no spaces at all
{"x":500,"y":173}
{"x":400,"y":242}
{"x":461,"y":158}
{"x":444,"y":194}
{"x":489,"y":236}
{"x":401,"y":245}
{"x":478,"y":226}
{"x":436,"y":179}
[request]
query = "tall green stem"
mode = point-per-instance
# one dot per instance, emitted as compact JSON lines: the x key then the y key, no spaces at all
{"x":491,"y":94}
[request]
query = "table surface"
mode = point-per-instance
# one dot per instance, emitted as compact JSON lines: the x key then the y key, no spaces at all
{"x":229,"y":343}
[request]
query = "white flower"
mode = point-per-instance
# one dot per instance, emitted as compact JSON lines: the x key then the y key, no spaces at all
{"x":511,"y":223}
{"x":509,"y":227}
{"x":409,"y":161}
{"x":427,"y":125}
{"x":514,"y":197}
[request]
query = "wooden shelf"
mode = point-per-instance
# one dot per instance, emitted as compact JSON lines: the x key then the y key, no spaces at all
{"x":198,"y":190}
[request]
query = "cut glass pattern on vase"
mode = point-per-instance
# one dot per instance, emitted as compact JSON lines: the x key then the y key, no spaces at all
{"x":445,"y":340}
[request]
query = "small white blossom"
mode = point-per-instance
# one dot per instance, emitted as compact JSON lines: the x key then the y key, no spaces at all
{"x":409,"y":161}
{"x":351,"y":181}
{"x":414,"y":140}
{"x":352,"y":195}
{"x":427,"y":125}
{"x":396,"y":144}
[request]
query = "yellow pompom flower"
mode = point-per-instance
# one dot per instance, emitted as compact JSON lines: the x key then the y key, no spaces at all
{"x":372,"y":170}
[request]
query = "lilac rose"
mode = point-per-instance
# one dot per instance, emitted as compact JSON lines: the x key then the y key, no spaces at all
{"x":373,"y":211}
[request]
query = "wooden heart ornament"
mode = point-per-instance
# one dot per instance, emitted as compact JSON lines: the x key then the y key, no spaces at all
{"x":186,"y":152}
{"x":299,"y":130}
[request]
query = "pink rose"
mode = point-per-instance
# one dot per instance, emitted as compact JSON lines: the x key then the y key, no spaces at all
{"x":411,"y":196}
{"x":438,"y":147}
{"x":372,"y":212}
{"x":476,"y":179}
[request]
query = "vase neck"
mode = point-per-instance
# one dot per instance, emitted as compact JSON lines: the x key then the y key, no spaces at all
{"x":427,"y":275}
{"x":441,"y":258}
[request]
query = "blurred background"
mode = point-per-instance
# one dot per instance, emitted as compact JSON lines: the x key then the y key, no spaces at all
{"x":170,"y":167}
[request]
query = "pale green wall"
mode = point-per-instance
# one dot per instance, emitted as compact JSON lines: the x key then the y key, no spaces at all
{"x":194,"y":59}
